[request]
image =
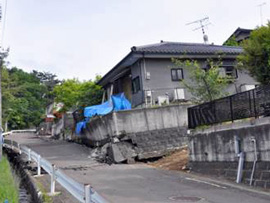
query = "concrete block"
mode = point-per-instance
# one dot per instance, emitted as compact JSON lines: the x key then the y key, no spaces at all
{"x":115,"y":154}
{"x":267,"y":185}
{"x":265,"y":176}
{"x":260,"y":183}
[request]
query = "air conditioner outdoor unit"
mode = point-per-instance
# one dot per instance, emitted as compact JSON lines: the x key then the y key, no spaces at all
{"x":247,"y":87}
{"x":163,"y":99}
{"x":179,"y":94}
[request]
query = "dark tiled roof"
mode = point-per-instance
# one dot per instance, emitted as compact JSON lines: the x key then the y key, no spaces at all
{"x":186,"y":48}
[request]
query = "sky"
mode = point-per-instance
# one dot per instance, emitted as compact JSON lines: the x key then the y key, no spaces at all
{"x":83,"y":38}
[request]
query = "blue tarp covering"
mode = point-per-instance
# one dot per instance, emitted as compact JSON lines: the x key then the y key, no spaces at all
{"x":117,"y":102}
{"x":80,"y":126}
{"x":101,"y":109}
{"x":120,"y":102}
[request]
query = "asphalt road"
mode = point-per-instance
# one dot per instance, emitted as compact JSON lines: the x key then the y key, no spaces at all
{"x":138,"y":182}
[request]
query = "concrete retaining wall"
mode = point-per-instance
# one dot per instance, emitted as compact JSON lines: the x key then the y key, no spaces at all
{"x":151,"y":132}
{"x":135,"y":121}
{"x":212,"y":151}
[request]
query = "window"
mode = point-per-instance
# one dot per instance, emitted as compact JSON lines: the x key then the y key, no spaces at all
{"x":136,"y":85}
{"x":229,"y":71}
{"x":177,"y":74}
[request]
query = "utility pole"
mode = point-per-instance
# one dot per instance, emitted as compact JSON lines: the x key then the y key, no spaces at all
{"x":261,"y":11}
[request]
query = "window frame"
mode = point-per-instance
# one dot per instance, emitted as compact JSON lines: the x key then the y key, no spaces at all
{"x":136,"y":83}
{"x":176,"y":73}
{"x":234,"y":71}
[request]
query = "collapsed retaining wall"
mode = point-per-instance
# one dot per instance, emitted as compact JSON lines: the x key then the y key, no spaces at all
{"x":212,"y":151}
{"x":150,"y":132}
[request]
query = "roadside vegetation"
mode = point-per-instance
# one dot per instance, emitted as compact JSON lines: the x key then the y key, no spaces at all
{"x":8,"y":187}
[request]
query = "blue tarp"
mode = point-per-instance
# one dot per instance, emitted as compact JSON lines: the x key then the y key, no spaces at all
{"x":117,"y":102}
{"x":120,"y":102}
{"x":101,"y":109}
{"x":80,"y":126}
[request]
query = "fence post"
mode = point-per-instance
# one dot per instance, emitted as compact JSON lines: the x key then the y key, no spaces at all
{"x":215,"y":114}
{"x":38,"y":166}
{"x":29,"y":154}
{"x":87,"y":193}
{"x":53,"y":180}
{"x":231,"y":108}
{"x":254,"y":101}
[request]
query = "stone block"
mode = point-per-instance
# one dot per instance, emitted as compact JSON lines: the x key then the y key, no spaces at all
{"x":265,"y":176}
{"x":267,"y":185}
{"x":261,"y":166}
{"x":259,"y":183}
{"x":231,"y":173}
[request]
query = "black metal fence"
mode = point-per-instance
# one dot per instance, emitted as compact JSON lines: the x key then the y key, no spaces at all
{"x":252,"y":103}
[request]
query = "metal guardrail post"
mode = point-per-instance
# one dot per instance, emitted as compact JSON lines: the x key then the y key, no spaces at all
{"x":38,"y":166}
{"x":53,"y":180}
{"x":87,"y":193}
{"x":29,"y":154}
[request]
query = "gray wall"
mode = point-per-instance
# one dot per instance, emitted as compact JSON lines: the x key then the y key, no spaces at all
{"x":100,"y":129}
{"x":212,"y":150}
{"x":160,"y":78}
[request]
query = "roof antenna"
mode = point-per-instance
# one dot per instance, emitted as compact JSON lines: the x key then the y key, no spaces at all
{"x":261,"y":11}
{"x":204,"y":22}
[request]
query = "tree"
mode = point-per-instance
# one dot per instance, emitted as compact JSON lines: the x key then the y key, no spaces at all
{"x":205,"y":84}
{"x":256,"y":54}
{"x":74,"y":93}
{"x":231,"y":42}
{"x":49,"y":80}
{"x":23,"y":98}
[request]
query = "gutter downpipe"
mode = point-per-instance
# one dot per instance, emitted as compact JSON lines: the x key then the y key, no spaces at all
{"x":255,"y":160}
{"x":241,"y":156}
{"x":240,"y":167}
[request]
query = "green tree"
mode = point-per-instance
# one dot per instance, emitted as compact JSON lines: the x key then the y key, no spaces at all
{"x":231,"y":42}
{"x":204,"y":85}
{"x":23,"y":98}
{"x":256,"y":54}
{"x":74,"y":93}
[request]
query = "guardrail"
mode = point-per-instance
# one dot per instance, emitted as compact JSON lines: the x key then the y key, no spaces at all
{"x":82,"y":192}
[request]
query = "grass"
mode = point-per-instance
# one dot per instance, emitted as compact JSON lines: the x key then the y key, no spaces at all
{"x":9,"y":189}
{"x":45,"y":197}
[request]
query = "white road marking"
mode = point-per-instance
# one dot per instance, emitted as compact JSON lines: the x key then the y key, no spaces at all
{"x":212,"y":184}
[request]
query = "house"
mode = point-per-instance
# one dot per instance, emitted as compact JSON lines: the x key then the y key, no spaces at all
{"x":240,"y":34}
{"x":148,"y":76}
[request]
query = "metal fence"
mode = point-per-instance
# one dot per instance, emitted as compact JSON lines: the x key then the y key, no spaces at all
{"x":82,"y":192}
{"x":252,"y":103}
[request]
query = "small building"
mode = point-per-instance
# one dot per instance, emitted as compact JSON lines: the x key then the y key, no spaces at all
{"x":240,"y":34}
{"x":148,"y":76}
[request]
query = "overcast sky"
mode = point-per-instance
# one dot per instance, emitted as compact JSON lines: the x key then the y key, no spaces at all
{"x":82,"y":38}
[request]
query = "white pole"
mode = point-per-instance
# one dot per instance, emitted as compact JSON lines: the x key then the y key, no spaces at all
{"x":53,"y":180}
{"x":38,"y":166}
{"x":29,"y":154}
{"x":87,"y":193}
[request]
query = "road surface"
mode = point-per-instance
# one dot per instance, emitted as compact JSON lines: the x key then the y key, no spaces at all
{"x":138,"y":182}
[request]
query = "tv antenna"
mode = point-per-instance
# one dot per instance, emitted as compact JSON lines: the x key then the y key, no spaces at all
{"x":261,"y":11}
{"x":203,"y":23}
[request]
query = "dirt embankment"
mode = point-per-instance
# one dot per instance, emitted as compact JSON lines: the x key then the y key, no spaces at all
{"x":176,"y":160}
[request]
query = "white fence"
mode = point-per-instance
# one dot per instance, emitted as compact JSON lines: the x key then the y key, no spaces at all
{"x":82,"y":192}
